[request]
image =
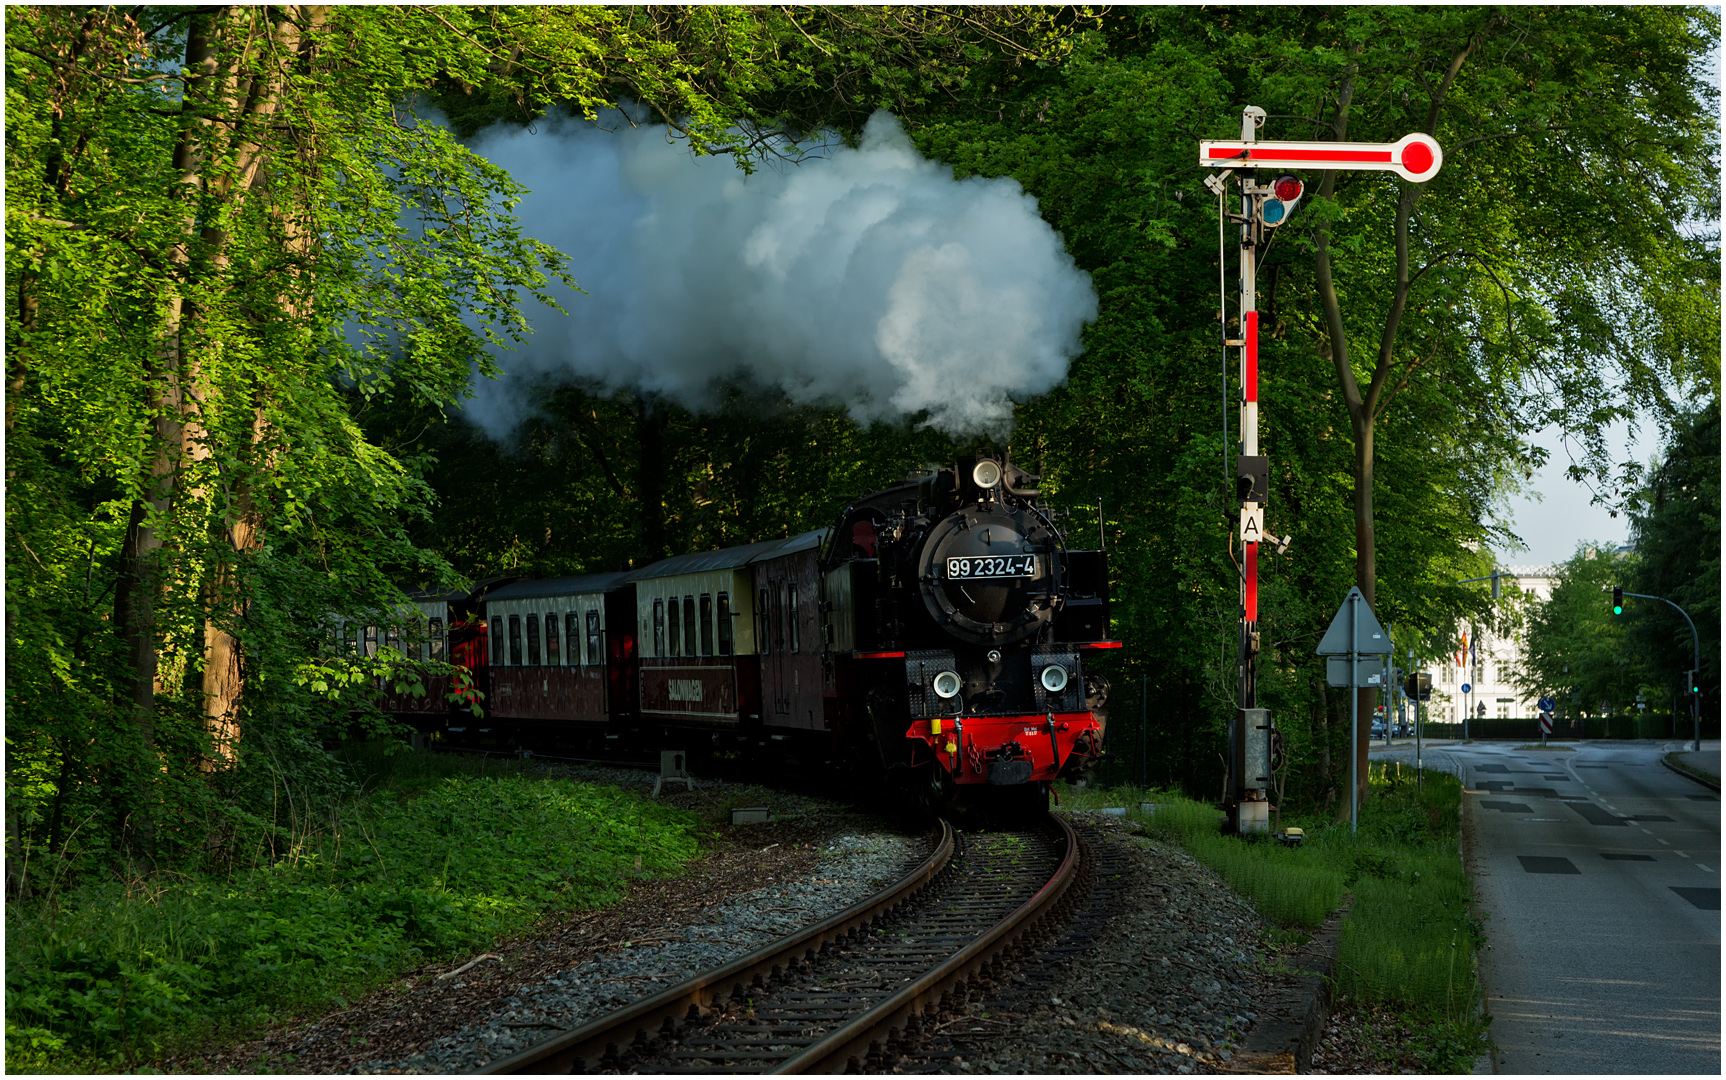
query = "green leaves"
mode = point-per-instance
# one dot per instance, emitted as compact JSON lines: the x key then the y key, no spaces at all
{"x":384,"y":884}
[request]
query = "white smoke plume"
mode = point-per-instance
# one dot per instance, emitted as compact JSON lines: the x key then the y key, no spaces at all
{"x":865,"y":277}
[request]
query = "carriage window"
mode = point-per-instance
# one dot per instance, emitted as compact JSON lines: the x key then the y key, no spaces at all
{"x":689,"y":626}
{"x":764,"y":615}
{"x":659,"y":628}
{"x":779,"y":618}
{"x":724,"y":624}
{"x":593,"y":637}
{"x":533,"y":640}
{"x":393,"y":637}
{"x":572,"y":637}
{"x":676,"y":628}
{"x":706,"y":625}
{"x":552,"y":653}
{"x":515,"y":641}
{"x":437,"y":642}
{"x":791,"y":618}
{"x":371,"y":641}
{"x":497,"y":642}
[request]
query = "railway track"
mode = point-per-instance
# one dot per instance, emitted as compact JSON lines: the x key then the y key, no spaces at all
{"x":854,"y":993}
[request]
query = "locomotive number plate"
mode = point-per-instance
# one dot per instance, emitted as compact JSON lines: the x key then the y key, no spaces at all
{"x":992,"y":566}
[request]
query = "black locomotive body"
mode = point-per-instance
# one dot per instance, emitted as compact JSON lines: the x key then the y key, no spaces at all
{"x":960,"y":626}
{"x":934,"y":637}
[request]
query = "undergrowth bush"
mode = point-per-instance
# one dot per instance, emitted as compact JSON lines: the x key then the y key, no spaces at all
{"x":1409,"y":938}
{"x":419,"y":870}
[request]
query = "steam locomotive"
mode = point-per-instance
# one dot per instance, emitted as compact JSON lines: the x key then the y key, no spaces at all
{"x":933,"y":639}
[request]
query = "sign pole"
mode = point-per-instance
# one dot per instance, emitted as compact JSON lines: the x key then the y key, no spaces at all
{"x":1419,"y":707}
{"x":1353,"y":711}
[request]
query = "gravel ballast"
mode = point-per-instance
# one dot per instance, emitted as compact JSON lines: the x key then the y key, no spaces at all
{"x":853,"y":867}
{"x":1163,"y":970}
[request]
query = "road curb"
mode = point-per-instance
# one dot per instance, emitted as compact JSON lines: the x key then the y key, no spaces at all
{"x":1712,"y":785}
{"x":1485,"y":1064}
{"x":1281,"y":1042}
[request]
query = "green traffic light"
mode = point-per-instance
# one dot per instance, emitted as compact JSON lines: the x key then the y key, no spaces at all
{"x":1617,"y":600}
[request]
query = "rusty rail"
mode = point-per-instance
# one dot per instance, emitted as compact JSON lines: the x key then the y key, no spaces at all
{"x":690,"y":1000}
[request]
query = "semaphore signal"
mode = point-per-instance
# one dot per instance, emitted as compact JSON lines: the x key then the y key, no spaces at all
{"x":1416,"y":157}
{"x":1263,"y":207}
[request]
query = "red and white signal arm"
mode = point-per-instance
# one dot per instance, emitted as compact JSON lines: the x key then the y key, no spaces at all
{"x":1414,"y":157}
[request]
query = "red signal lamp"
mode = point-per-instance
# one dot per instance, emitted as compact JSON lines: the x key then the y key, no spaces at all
{"x":1285,"y":191}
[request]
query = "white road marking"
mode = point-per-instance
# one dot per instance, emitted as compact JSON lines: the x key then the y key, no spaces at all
{"x":1668,"y":843}
{"x":1704,"y":869}
{"x":1680,"y":854}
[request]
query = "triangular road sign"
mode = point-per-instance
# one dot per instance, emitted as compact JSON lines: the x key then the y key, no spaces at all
{"x":1369,"y":638}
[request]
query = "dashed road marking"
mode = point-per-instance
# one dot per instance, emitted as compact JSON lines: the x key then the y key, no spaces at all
{"x":1704,"y":869}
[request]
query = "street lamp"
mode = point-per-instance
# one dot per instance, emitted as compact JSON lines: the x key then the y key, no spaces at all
{"x":1692,"y":677}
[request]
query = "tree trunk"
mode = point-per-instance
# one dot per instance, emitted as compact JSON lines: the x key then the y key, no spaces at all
{"x":650,"y":426}
{"x":252,"y":101}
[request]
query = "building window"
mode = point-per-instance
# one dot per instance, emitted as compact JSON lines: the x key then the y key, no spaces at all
{"x":371,"y":641}
{"x":533,"y":640}
{"x":659,"y":628}
{"x":497,"y":642}
{"x":515,"y":641}
{"x":393,"y":638}
{"x":593,"y":637}
{"x":791,"y":618}
{"x":553,"y":654}
{"x":676,"y":629}
{"x":572,"y":634}
{"x":689,"y":626}
{"x":724,"y":624}
{"x":706,"y":624}
{"x":764,"y":615}
{"x":437,"y":643}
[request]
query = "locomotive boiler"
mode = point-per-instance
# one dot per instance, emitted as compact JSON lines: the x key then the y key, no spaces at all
{"x":960,"y":624}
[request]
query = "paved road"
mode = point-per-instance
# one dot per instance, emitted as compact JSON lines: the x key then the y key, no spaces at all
{"x":1599,"y":873}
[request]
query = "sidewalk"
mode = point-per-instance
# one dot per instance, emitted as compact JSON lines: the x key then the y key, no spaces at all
{"x":1703,"y":764}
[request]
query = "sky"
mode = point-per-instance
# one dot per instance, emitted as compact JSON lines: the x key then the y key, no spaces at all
{"x":1554,"y":516}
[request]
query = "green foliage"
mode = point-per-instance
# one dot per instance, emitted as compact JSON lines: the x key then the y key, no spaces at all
{"x":1409,"y":938}
{"x":1676,"y":527}
{"x":1575,"y":648}
{"x":425,"y":868}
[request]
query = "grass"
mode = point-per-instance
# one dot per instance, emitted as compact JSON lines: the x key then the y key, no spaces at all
{"x":435,"y":858}
{"x":1409,"y":940}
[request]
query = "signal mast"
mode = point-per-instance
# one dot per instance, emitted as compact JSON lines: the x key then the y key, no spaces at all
{"x":1253,"y":742}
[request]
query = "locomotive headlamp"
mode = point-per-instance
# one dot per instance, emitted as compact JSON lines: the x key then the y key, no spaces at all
{"x":1054,"y":678}
{"x":987,"y":474}
{"x":947,"y":685}
{"x":994,"y":656}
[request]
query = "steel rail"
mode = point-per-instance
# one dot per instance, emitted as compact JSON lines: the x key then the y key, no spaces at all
{"x":665,"y":1011}
{"x":847,"y":1048}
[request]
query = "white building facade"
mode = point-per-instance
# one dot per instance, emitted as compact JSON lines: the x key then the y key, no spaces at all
{"x":1490,"y":667}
